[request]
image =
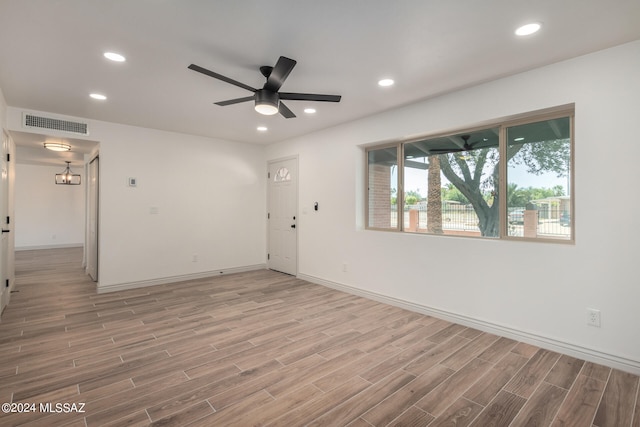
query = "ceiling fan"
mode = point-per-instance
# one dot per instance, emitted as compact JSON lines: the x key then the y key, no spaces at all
{"x":465,"y":147}
{"x":268,"y":99}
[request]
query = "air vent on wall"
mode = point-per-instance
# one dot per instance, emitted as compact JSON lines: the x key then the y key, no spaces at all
{"x":39,"y":122}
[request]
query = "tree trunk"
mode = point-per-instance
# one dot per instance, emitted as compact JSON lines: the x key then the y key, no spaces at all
{"x":469,"y":185}
{"x":434,"y":197}
{"x":488,"y":221}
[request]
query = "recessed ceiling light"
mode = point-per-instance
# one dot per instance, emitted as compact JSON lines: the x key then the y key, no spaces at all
{"x":385,"y":82}
{"x":528,"y":29}
{"x":98,"y":96}
{"x":114,"y":56}
{"x":519,"y":139}
{"x":310,"y":110}
{"x":262,"y":128}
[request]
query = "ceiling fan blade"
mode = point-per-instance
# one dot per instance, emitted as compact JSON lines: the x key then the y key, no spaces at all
{"x":286,"y":112}
{"x":309,"y":97}
{"x":279,"y":73}
{"x":235,"y":101}
{"x":210,"y":73}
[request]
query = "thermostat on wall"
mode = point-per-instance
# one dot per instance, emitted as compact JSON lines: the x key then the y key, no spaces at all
{"x":133,"y":182}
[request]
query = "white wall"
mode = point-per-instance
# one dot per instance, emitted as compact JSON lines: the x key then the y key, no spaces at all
{"x":537,"y":292}
{"x":209,"y":196}
{"x":47,"y":215}
{"x":3,"y":111}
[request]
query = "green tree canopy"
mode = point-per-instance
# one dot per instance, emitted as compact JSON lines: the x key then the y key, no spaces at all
{"x":450,"y":192}
{"x":411,"y":200}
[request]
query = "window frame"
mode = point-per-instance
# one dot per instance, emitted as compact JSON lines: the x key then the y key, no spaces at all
{"x":564,"y":111}
{"x":400,"y":195}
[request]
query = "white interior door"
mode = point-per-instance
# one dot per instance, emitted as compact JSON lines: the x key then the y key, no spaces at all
{"x":283,"y":216}
{"x":92,"y":241}
{"x":5,"y":221}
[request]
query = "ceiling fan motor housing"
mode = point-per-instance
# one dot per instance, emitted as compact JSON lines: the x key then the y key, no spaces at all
{"x":267,"y":102}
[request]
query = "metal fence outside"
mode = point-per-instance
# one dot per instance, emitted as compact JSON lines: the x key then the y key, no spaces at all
{"x":463,"y":218}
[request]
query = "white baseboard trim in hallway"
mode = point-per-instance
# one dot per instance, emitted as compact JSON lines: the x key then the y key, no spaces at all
{"x":174,"y":279}
{"x":38,"y":247}
{"x":611,"y":360}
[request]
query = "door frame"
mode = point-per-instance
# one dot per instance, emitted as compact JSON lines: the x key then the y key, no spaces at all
{"x":7,"y":271}
{"x":91,"y":257}
{"x":297,"y":214}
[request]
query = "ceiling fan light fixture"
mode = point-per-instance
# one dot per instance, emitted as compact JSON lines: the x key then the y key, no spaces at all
{"x":267,"y":102}
{"x":266,"y":109}
{"x":57,"y":146}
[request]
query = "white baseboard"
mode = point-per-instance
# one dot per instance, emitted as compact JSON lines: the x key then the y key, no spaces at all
{"x":173,"y":279}
{"x":584,"y":353}
{"x":38,"y":247}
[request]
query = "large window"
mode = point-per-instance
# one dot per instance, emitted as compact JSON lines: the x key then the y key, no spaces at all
{"x":454,"y":184}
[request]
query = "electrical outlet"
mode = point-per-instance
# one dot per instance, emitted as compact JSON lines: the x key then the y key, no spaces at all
{"x":593,"y":317}
{"x":195,"y":258}
{"x":344,"y":267}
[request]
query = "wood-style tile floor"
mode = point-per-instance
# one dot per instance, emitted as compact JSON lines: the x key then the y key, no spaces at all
{"x":263,"y":348}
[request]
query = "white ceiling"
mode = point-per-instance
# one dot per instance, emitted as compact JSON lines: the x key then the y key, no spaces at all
{"x":51,"y":55}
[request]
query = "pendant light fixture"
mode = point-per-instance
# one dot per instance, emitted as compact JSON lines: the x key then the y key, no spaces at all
{"x":67,"y":177}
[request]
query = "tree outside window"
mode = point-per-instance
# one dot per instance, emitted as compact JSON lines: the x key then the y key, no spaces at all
{"x":465,"y":175}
